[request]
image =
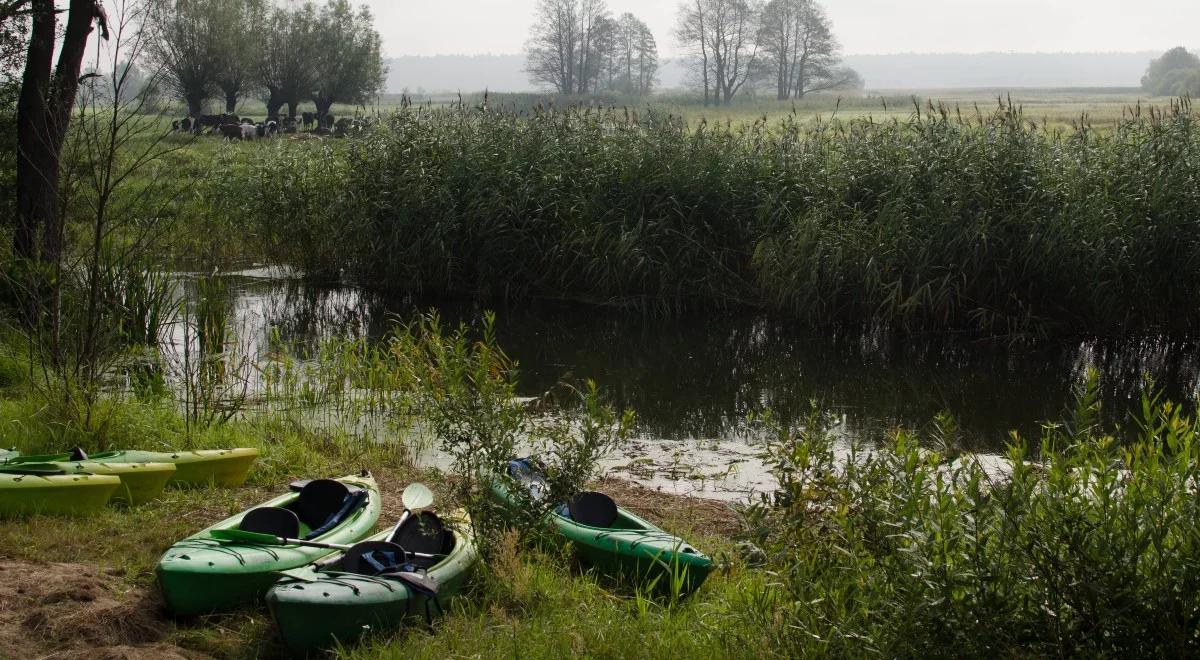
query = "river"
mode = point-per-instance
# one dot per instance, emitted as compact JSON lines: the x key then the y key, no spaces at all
{"x":693,"y":379}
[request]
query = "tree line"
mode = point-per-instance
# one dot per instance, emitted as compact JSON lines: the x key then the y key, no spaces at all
{"x":283,"y":54}
{"x":737,"y":45}
{"x":1176,"y":73}
{"x":577,"y":47}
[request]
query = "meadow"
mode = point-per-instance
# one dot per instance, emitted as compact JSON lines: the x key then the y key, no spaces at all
{"x":934,"y":217}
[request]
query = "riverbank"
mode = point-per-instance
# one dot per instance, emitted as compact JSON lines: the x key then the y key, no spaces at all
{"x":901,"y":546}
{"x":79,"y":588}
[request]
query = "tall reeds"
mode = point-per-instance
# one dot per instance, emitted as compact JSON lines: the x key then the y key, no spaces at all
{"x":951,"y":220}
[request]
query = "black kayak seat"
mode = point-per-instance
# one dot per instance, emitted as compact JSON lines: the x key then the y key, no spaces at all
{"x":271,"y":520}
{"x":423,"y":532}
{"x":318,"y":500}
{"x":593,"y":509}
{"x":350,"y":504}
{"x":78,"y":454}
{"x":373,"y":557}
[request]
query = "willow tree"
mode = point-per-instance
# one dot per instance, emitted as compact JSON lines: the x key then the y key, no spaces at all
{"x":185,"y":46}
{"x":239,"y":36}
{"x":284,"y":75}
{"x":348,"y":64}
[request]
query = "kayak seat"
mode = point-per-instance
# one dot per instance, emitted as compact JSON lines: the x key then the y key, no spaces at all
{"x":318,"y":500}
{"x":373,"y":558}
{"x":271,"y":520}
{"x":78,"y":454}
{"x":593,"y":509}
{"x":525,"y":473}
{"x":424,"y":533}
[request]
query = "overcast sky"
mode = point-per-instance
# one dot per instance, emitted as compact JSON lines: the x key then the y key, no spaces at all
{"x":433,"y":27}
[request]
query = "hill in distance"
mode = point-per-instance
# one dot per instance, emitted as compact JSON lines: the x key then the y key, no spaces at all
{"x":440,"y":74}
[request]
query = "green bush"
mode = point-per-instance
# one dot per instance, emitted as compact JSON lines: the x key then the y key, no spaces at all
{"x":1091,"y":548}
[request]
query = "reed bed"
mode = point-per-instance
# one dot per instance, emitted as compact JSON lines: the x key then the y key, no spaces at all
{"x":953,"y":220}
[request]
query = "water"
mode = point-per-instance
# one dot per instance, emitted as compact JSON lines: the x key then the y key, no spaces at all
{"x":694,"y":379}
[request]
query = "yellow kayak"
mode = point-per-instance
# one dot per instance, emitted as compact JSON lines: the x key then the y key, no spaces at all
{"x":43,"y":489}
{"x":204,"y":467}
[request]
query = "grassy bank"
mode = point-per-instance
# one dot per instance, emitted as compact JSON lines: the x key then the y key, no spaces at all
{"x":979,"y":220}
{"x":1086,"y":546}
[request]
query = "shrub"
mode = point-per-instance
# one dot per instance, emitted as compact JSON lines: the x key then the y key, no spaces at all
{"x":1091,"y":548}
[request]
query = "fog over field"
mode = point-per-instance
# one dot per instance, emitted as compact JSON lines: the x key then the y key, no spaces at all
{"x":480,"y":27}
{"x":506,"y":73}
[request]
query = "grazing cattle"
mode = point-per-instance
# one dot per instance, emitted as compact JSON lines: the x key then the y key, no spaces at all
{"x":272,"y":127}
{"x":230,"y":119}
{"x":249,"y":131}
{"x":260,"y":129}
{"x":309,"y":118}
{"x":231,"y":131}
{"x":185,"y":124}
{"x":327,"y":121}
{"x":211,"y":122}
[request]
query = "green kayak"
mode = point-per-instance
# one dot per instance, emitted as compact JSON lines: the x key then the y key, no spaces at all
{"x":339,"y":598}
{"x":218,"y":467}
{"x":613,"y":539}
{"x":202,"y":574}
{"x":46,"y":489}
{"x":140,"y":482}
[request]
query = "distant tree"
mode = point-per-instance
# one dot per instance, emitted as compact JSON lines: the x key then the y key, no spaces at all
{"x":799,"y":51}
{"x":239,"y":38}
{"x":184,"y":45}
{"x":724,"y":34}
{"x":347,"y":60}
{"x":564,"y":51}
{"x":635,"y":56}
{"x":282,"y":68}
{"x":1176,"y":73}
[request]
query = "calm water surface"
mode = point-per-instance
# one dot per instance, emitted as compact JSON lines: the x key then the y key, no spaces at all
{"x":694,"y":379}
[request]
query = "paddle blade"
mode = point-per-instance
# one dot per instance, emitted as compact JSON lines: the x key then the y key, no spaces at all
{"x":245,"y":537}
{"x":417,"y":497}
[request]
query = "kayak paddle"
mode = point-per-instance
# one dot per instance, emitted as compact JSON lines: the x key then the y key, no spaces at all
{"x":415,"y":498}
{"x":242,"y":536}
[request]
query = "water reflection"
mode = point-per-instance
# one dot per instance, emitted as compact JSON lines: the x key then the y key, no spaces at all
{"x":697,"y":377}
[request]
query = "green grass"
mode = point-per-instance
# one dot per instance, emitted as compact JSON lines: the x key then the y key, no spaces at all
{"x":1088,"y":546}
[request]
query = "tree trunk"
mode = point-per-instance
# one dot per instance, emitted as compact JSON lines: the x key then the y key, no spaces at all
{"x":291,"y":106}
{"x":323,"y":106}
{"x":43,"y":112}
{"x":195,"y":106}
{"x":274,"y":103}
{"x":37,"y":164}
{"x":231,"y":99}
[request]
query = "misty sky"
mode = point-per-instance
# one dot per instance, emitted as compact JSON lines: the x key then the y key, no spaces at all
{"x":432,"y":27}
